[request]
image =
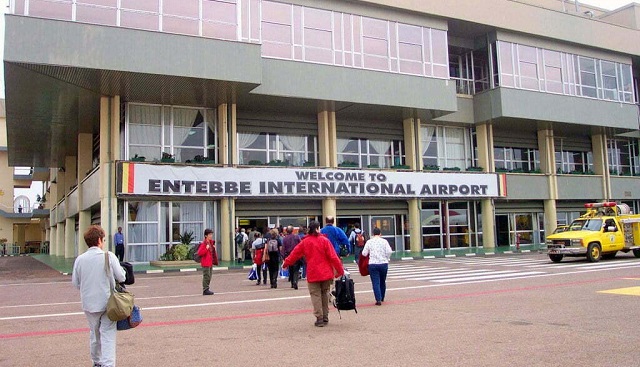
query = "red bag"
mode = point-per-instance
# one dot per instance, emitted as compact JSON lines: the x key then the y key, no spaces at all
{"x":363,"y":265}
{"x":257,"y":259}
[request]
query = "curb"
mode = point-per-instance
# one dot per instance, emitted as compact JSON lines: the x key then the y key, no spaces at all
{"x":407,"y":258}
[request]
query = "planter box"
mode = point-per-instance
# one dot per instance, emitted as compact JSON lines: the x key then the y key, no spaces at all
{"x":168,"y":264}
{"x":168,"y":160}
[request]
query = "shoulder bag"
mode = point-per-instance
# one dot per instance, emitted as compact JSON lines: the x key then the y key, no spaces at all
{"x":120,"y":303}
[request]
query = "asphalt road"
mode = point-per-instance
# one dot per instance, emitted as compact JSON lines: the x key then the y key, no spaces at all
{"x":517,"y":310}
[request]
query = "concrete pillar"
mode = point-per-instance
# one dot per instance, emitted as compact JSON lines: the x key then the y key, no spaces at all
{"x":415,"y":225}
{"x":60,"y":246}
{"x":226,"y":133}
{"x":84,"y":221}
{"x":70,"y":238}
{"x":109,"y":153}
{"x":411,"y":129}
{"x":71,"y":172}
{"x":488,"y":223}
{"x":85,"y":145}
{"x":53,"y":240}
{"x":546,"y":147}
{"x":328,"y":209}
{"x":484,"y":137}
{"x":601,"y":161}
{"x":327,"y":136}
{"x":227,"y":155}
{"x":227,"y":228}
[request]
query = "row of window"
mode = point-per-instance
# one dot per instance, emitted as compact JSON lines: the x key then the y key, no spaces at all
{"x":286,"y":31}
{"x":186,"y":134}
{"x":538,"y":69}
{"x":301,"y":33}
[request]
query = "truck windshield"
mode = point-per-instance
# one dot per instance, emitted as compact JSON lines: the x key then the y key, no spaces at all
{"x":586,"y":225}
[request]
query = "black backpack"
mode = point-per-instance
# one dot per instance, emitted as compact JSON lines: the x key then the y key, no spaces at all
{"x":239,"y":239}
{"x":197,"y":258}
{"x":129,"y":277}
{"x":344,"y":295}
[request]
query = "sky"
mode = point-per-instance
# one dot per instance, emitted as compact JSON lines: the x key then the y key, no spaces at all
{"x":36,"y":188}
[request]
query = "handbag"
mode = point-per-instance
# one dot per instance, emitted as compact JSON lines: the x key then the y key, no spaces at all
{"x":132,"y":321}
{"x":253,"y":273}
{"x":120,"y":303}
{"x":363,"y":265}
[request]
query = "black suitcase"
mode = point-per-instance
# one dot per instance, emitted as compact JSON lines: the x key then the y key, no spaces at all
{"x":128,"y":268}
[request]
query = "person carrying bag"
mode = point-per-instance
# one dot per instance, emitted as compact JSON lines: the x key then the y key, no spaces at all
{"x":94,"y":282}
{"x":120,"y":303}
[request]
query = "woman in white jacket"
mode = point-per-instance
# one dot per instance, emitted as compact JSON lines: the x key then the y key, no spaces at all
{"x":90,"y":277}
{"x":379,"y":252}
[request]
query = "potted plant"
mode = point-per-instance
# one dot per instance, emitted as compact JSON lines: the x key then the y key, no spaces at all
{"x":255,"y":162}
{"x":309,"y":164}
{"x":178,"y":252}
{"x":431,"y":167}
{"x":278,"y":162}
{"x":475,"y":169}
{"x":400,"y":166}
{"x":137,"y":158}
{"x":373,"y":166}
{"x":451,"y":169}
{"x":348,"y":164}
{"x":167,"y":158}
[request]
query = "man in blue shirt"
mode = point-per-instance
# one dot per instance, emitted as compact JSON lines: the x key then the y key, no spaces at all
{"x":118,"y":239}
{"x":336,"y":236}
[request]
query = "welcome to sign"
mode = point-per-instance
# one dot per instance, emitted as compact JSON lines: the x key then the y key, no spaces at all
{"x":145,"y":179}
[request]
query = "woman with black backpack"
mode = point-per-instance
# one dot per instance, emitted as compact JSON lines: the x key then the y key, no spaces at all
{"x":272,"y":252}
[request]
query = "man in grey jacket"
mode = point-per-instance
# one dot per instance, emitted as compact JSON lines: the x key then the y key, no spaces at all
{"x":90,"y":278}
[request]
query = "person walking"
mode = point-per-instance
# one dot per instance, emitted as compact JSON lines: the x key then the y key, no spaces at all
{"x":208,"y":258}
{"x":336,"y":236}
{"x":241,"y":240}
{"x":257,"y":254}
{"x":379,"y":252}
{"x":118,"y":239}
{"x":357,"y":239}
{"x":272,"y":255}
{"x":90,"y":278}
{"x":289,"y":242}
{"x":323,"y":265}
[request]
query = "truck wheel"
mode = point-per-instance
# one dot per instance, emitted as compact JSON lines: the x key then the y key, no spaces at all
{"x":636,"y":253}
{"x":556,"y":258}
{"x":594,"y":252}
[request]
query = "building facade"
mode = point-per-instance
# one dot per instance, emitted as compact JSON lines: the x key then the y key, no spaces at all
{"x":447,"y":125}
{"x":22,"y":223}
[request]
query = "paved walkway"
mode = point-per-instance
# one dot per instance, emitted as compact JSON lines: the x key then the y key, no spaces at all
{"x":65,"y":265}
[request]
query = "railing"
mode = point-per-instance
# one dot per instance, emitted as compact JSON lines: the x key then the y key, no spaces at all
{"x":10,"y":249}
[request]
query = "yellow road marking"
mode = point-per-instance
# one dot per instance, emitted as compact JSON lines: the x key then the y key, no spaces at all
{"x":631,"y":291}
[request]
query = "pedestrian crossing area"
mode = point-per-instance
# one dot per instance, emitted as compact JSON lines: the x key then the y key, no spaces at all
{"x":481,"y":269}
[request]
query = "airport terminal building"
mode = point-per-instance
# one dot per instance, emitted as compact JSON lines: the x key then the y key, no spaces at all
{"x":446,"y":124}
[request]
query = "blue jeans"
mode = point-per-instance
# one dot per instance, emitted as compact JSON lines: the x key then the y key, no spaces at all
{"x":378,"y":274}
